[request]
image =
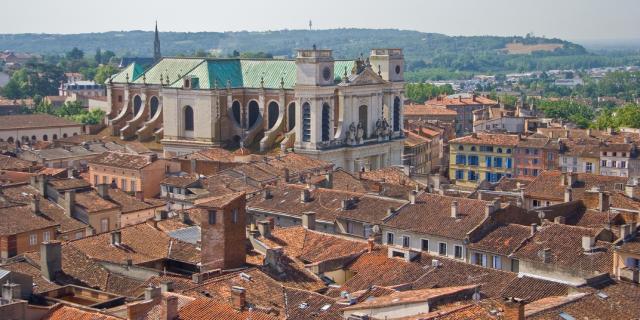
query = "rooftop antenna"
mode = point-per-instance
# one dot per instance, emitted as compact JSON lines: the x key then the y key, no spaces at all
{"x":310,"y":25}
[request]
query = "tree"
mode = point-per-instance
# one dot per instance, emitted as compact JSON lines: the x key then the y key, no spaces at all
{"x":12,"y":90}
{"x":69,"y":109}
{"x":106,"y":56}
{"x":75,"y":54}
{"x":98,"y":56}
{"x":103,"y":72}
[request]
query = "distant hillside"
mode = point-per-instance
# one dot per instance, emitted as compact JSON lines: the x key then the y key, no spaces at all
{"x":428,"y":55}
{"x":345,"y":42}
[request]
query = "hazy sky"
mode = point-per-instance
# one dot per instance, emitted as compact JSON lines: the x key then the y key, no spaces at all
{"x":568,"y":19}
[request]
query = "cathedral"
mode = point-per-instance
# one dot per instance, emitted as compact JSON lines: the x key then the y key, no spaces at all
{"x":348,"y":112}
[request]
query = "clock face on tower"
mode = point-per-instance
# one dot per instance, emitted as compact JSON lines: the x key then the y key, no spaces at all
{"x":326,"y":73}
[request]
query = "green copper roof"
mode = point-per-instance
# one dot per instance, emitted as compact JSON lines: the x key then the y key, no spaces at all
{"x":133,"y":71}
{"x":174,"y":68}
{"x":241,"y":73}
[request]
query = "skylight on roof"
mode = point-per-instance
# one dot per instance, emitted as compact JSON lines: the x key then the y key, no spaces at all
{"x":602,"y":295}
{"x":325,"y":307}
{"x":303,"y":305}
{"x":566,"y":316}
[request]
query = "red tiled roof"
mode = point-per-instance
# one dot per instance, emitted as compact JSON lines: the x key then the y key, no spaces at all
{"x":20,"y":219}
{"x":32,"y":121}
{"x":427,"y":110}
{"x":213,"y":309}
{"x":494,"y":139}
{"x":565,"y":244}
{"x":503,"y":240}
{"x":121,"y":160}
{"x":547,"y":185}
{"x":455,"y":101}
{"x":65,"y":312}
{"x":431,"y":214}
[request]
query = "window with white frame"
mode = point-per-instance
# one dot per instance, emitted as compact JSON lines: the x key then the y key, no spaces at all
{"x":46,"y":236}
{"x":457,"y":252}
{"x":33,"y":239}
{"x":442,"y":248}
{"x":79,"y":235}
{"x":390,"y":238}
{"x":406,"y":241}
{"x":104,"y":225}
{"x":497,"y":262}
{"x":424,"y":244}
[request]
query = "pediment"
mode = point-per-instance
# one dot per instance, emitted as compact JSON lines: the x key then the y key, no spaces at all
{"x":366,"y":77}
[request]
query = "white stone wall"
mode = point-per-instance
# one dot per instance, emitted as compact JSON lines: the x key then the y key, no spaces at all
{"x":40,"y":132}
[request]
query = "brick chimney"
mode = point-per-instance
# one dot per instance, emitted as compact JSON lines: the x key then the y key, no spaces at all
{"x":513,"y":309}
{"x":171,"y":311}
{"x":50,"y":259}
{"x":309,"y":220}
{"x":285,"y":174}
{"x":329,"y":180}
{"x":454,"y":209}
{"x":534,"y":228}
{"x":266,"y":194}
{"x":238,"y":298}
{"x":370,"y":245}
{"x":412,"y":196}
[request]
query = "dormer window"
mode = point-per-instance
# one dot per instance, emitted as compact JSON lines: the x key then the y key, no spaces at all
{"x":187,"y":84}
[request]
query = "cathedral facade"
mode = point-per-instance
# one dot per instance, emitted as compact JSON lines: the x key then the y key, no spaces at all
{"x":348,"y":112}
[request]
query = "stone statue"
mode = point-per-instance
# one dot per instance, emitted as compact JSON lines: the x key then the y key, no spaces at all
{"x":386,"y":131}
{"x":351,"y":134}
{"x":360,"y":133}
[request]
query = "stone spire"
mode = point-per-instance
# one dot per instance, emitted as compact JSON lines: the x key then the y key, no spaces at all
{"x":156,"y":45}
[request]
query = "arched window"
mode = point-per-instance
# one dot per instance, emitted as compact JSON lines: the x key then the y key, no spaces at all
{"x":235,"y":112}
{"x":254,"y":113}
{"x":153,"y":103}
{"x":10,"y":140}
{"x":291,"y":116}
{"x":473,"y":148}
{"x":326,"y":128}
{"x":188,"y":118}
{"x":363,"y":119}
{"x":55,"y":136}
{"x":273,"y":112}
{"x":137,"y":103}
{"x":64,"y":135}
{"x":45,"y":138}
{"x":499,"y":150}
{"x":396,"y":114}
{"x":33,"y":138}
{"x":306,"y":122}
{"x":460,"y":147}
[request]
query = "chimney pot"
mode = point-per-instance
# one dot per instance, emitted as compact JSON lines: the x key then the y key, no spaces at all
{"x":454,"y":209}
{"x":567,"y":194}
{"x":285,"y":174}
{"x":412,"y":196}
{"x":309,"y":220}
{"x":514,"y":309}
{"x":151,"y":292}
{"x":116,"y":238}
{"x":69,"y":202}
{"x":172,"y":308}
{"x":238,"y":297}
{"x":166,"y":286}
{"x":587,"y":243}
{"x":305,"y":195}
{"x":534,"y":228}
{"x":51,"y":259}
{"x":629,"y":191}
{"x":35,"y":204}
{"x":264,"y":227}
{"x":370,"y":244}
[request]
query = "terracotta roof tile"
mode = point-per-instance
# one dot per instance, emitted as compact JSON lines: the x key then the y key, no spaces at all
{"x":121,"y":160}
{"x":431,"y":214}
{"x":213,"y":309}
{"x":492,"y":139}
{"x":20,"y":219}
{"x":14,"y":164}
{"x":547,"y":185}
{"x":38,"y":120}
{"x":64,"y":312}
{"x":302,"y":304}
{"x":503,"y":240}
{"x":92,"y":202}
{"x":135,"y":245}
{"x":326,"y":203}
{"x":565,"y":243}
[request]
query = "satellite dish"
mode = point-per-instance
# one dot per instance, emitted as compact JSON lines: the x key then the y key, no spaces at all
{"x":476,"y":296}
